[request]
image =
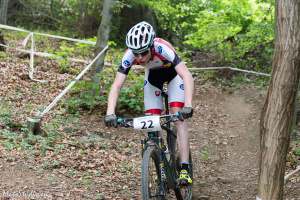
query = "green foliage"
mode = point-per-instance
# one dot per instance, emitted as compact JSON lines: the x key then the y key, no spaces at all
{"x":131,"y":97}
{"x":235,"y":29}
{"x":238,"y":80}
{"x":86,"y":95}
{"x":73,"y":16}
{"x":64,"y":65}
{"x":262,"y":82}
{"x":5,"y":114}
{"x":223,"y":19}
{"x":176,"y":18}
{"x":13,"y":36}
{"x":207,"y":75}
{"x":85,"y":50}
{"x":66,"y":51}
{"x":240,"y":31}
{"x":297,"y":151}
{"x":215,"y":27}
{"x":10,"y":139}
{"x":6,"y":120}
{"x":23,"y":139}
{"x":205,"y":154}
{"x":3,"y":55}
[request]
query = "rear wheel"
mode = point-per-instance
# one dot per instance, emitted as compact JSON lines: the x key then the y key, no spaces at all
{"x":185,"y":191}
{"x":151,"y":181}
{"x":172,"y":147}
{"x":182,"y":192}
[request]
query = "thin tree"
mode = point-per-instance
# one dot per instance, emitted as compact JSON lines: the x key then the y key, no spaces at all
{"x":3,"y":11}
{"x":3,"y":19}
{"x":103,"y":36}
{"x":277,"y":115}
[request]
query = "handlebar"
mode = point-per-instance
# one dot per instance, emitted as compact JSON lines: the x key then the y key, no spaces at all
{"x":163,"y":121}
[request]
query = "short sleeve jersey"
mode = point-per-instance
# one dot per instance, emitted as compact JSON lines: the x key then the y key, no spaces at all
{"x":163,"y":56}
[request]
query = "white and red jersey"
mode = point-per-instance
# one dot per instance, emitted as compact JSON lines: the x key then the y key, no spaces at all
{"x":163,"y":55}
{"x":160,"y":69}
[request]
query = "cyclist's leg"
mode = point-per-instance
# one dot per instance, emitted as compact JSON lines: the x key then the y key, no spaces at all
{"x":152,"y":97}
{"x":176,"y":101}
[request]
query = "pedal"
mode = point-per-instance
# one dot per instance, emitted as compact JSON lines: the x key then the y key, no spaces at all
{"x":183,"y":183}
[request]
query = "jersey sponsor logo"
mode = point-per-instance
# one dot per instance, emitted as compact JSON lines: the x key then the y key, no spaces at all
{"x":145,"y":83}
{"x":157,"y":93}
{"x":160,"y":49}
{"x":166,"y":65}
{"x":181,"y":86}
{"x":126,"y":63}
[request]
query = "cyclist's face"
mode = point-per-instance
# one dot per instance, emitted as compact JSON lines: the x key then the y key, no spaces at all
{"x":143,"y":57}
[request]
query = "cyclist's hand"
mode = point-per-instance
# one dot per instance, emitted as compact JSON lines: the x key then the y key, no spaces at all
{"x":186,"y":112}
{"x":111,"y":120}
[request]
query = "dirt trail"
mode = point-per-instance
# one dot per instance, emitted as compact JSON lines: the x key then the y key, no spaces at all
{"x":224,"y":140}
{"x":226,"y":144}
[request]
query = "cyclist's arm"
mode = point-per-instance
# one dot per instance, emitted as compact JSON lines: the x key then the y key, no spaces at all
{"x":114,"y":92}
{"x":188,"y":80}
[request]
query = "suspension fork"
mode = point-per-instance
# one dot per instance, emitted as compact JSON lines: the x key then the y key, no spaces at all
{"x":165,"y":96}
{"x":153,"y":139}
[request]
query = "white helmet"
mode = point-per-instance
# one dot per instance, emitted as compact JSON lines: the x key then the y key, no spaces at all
{"x":140,"y":37}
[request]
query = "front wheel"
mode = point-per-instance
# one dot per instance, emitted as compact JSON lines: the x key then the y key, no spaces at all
{"x":151,"y":181}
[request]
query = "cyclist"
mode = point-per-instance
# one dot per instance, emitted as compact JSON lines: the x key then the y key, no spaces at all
{"x":162,"y":64}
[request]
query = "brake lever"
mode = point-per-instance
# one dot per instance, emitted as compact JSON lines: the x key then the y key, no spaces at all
{"x":179,"y":116}
{"x":127,"y":123}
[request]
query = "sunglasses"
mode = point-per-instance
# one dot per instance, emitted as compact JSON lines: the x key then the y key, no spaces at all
{"x":142,"y":53}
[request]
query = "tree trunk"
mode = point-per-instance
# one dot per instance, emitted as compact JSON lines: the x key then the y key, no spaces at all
{"x":3,"y":11}
{"x":2,"y":42}
{"x":277,"y":115}
{"x":103,"y":36}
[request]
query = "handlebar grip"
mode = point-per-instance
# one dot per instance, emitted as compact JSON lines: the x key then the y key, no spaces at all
{"x":179,"y":116}
{"x":120,"y":120}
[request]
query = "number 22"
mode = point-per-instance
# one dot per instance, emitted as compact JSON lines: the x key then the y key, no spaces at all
{"x":145,"y":124}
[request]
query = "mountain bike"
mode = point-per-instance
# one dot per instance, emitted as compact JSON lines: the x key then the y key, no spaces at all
{"x":160,"y":162}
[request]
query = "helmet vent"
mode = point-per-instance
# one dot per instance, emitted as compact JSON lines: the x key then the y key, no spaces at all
{"x":140,"y":37}
{"x":135,"y":41}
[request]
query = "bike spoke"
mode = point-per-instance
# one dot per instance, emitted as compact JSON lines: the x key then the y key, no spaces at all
{"x":186,"y":192}
{"x":153,"y":179}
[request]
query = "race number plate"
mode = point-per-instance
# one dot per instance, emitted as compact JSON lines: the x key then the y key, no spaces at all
{"x":147,"y":123}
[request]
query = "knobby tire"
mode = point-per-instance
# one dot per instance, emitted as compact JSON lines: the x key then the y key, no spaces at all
{"x":175,"y":160}
{"x":150,"y":155}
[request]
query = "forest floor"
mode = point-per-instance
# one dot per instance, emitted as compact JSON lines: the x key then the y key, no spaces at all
{"x":79,"y":158}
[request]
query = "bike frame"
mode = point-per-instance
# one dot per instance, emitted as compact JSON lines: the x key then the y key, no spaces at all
{"x":153,"y":138}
